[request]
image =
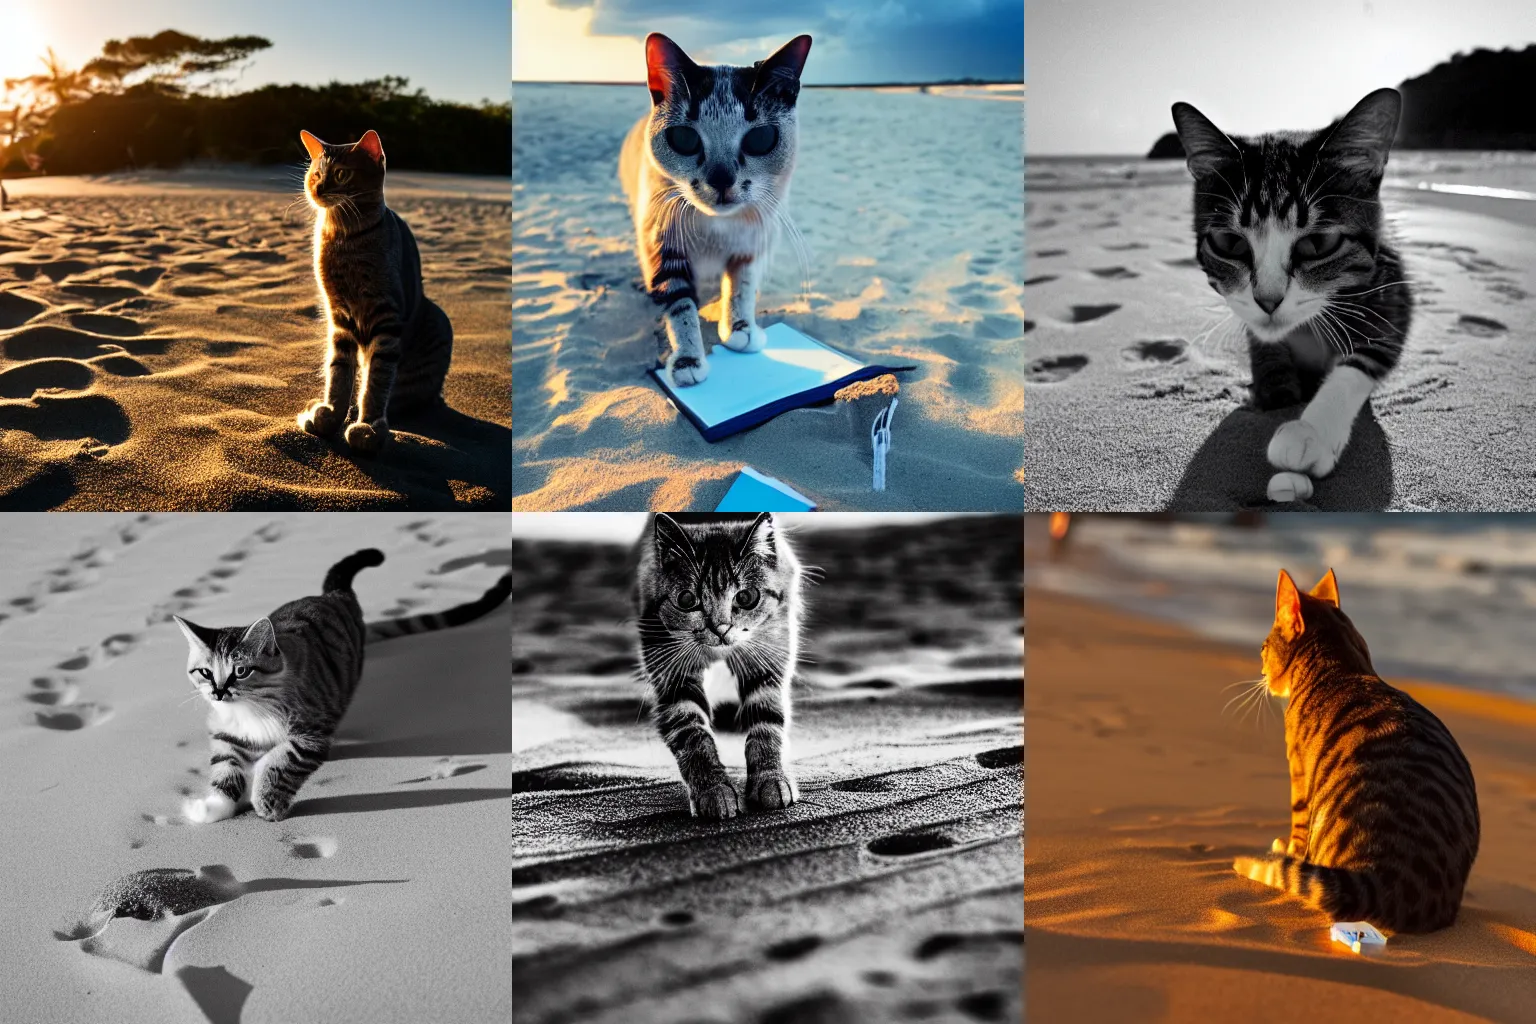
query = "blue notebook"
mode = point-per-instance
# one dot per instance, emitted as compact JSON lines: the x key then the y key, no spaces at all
{"x":745,"y":389}
{"x":757,"y":492}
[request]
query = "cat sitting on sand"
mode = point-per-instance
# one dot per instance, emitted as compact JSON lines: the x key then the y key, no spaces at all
{"x":707,"y":175}
{"x":1288,"y":230}
{"x":388,"y":345}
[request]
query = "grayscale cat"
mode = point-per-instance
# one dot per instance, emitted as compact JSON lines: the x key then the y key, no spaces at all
{"x":707,"y":175}
{"x":1289,"y":231}
{"x":277,"y":689}
{"x":720,"y":589}
{"x":389,"y":345}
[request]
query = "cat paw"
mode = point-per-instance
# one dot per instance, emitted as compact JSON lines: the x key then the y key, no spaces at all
{"x":771,"y":791}
{"x":319,"y":419}
{"x":213,"y":807}
{"x":716,"y":802}
{"x":268,"y":808}
{"x":1268,"y":869}
{"x":685,"y":371}
{"x":1299,"y":446}
{"x":1278,"y":846}
{"x":745,"y":338}
{"x":368,"y":437}
{"x":1290,"y":486}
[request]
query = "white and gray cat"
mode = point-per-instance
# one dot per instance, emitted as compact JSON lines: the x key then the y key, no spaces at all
{"x":707,"y":173}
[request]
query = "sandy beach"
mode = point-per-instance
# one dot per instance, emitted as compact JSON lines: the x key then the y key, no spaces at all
{"x":898,"y":273}
{"x":892,"y":890}
{"x":383,"y":896}
{"x":1134,"y":383}
{"x":158,"y":334}
{"x":1141,"y":793}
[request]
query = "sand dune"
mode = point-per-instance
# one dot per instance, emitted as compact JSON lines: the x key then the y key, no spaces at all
{"x":1141,"y":793}
{"x":1135,"y":384}
{"x":158,"y":334}
{"x":892,"y":889}
{"x":898,"y":272}
{"x":382,"y":897}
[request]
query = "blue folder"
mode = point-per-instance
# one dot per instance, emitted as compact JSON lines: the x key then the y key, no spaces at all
{"x":746,"y":389}
{"x":752,"y":491}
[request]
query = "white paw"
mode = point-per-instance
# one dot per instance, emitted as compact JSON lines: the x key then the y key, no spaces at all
{"x":1298,"y":446}
{"x":1290,"y":486}
{"x":213,"y":807}
{"x":750,"y":339}
{"x":693,"y":371}
{"x":1278,"y":846}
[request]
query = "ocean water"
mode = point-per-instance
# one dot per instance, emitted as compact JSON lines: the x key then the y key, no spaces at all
{"x":1441,"y":596}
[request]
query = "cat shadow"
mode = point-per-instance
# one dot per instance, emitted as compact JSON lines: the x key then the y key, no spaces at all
{"x":393,"y":801}
{"x":1231,"y":472}
{"x":219,"y":994}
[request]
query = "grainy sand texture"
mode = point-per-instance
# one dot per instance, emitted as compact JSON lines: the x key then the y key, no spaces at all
{"x":912,"y":215}
{"x":159,"y":332}
{"x":892,"y":890}
{"x":1142,"y":793}
{"x":1135,"y":382}
{"x":382,"y":897}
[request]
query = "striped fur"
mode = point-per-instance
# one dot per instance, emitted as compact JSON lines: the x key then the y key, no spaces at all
{"x":1289,"y":231}
{"x":720,"y":590}
{"x":708,"y":204}
{"x":389,"y":345}
{"x":1384,"y":820}
{"x":278,"y":688}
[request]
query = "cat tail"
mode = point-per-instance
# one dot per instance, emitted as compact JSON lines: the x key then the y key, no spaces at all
{"x":340,"y":575}
{"x":456,"y":616}
{"x":1341,"y":893}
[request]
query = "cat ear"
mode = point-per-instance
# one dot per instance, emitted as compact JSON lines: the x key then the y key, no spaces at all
{"x":759,"y":538}
{"x":1327,"y":589}
{"x":260,"y":637}
{"x":667,"y":68}
{"x":780,"y":73}
{"x":1207,"y":148}
{"x":315,"y":147}
{"x":371,"y":144}
{"x":199,"y":638}
{"x":1362,"y":138}
{"x":1288,"y":606}
{"x":671,"y":539}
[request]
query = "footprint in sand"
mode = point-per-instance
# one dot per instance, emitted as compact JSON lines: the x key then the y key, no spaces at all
{"x":1041,"y":279}
{"x":1114,"y":273}
{"x":1187,"y":261}
{"x":107,"y":323}
{"x":1126,"y":246}
{"x":53,"y":692}
{"x":1479,"y":326}
{"x":45,"y":375}
{"x":47,"y":341}
{"x":1086,"y":314}
{"x":1155,"y":351}
{"x":311,"y":847}
{"x":448,"y":768}
{"x":1054,"y":369}
{"x":909,"y":844}
{"x":16,"y":309}
{"x":1047,"y":253}
{"x":1002,"y":757}
{"x":73,"y":716}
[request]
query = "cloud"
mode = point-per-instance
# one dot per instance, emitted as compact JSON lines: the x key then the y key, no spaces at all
{"x":872,"y":41}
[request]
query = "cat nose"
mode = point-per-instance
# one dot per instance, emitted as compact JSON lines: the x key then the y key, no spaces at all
{"x":1268,"y":305}
{"x":720,"y":178}
{"x":720,"y":629}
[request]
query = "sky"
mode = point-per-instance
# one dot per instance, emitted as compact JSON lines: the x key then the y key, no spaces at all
{"x":1102,"y":74}
{"x":625,"y":526}
{"x":454,"y":49}
{"x":853,"y":41}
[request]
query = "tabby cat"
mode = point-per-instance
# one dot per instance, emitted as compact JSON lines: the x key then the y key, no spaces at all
{"x":1384,"y":823}
{"x":389,"y":345}
{"x":277,"y":689}
{"x":707,"y":174}
{"x":1289,"y":231}
{"x":720,"y":590}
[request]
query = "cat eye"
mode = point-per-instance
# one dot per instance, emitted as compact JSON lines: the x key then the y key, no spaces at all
{"x":241,"y":671}
{"x":760,"y":140}
{"x":1228,"y":243}
{"x":684,"y":140}
{"x":205,"y":674}
{"x":343,"y":175}
{"x":747,"y":598}
{"x":687,"y":601}
{"x":1318,"y":246}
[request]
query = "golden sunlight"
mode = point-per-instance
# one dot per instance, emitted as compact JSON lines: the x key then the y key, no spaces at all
{"x":552,"y":45}
{"x":21,"y":41}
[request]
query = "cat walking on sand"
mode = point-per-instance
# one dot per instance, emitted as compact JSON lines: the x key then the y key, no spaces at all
{"x":277,"y":689}
{"x":1384,"y":821}
{"x":721,"y":590}
{"x":388,"y":346}
{"x":1288,"y":230}
{"x":707,"y":174}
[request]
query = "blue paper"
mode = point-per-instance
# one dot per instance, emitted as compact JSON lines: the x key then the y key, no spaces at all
{"x":745,"y":389}
{"x":757,"y":492}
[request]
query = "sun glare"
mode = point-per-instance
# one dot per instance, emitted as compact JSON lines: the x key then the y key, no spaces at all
{"x":21,"y":42}
{"x":553,"y":45}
